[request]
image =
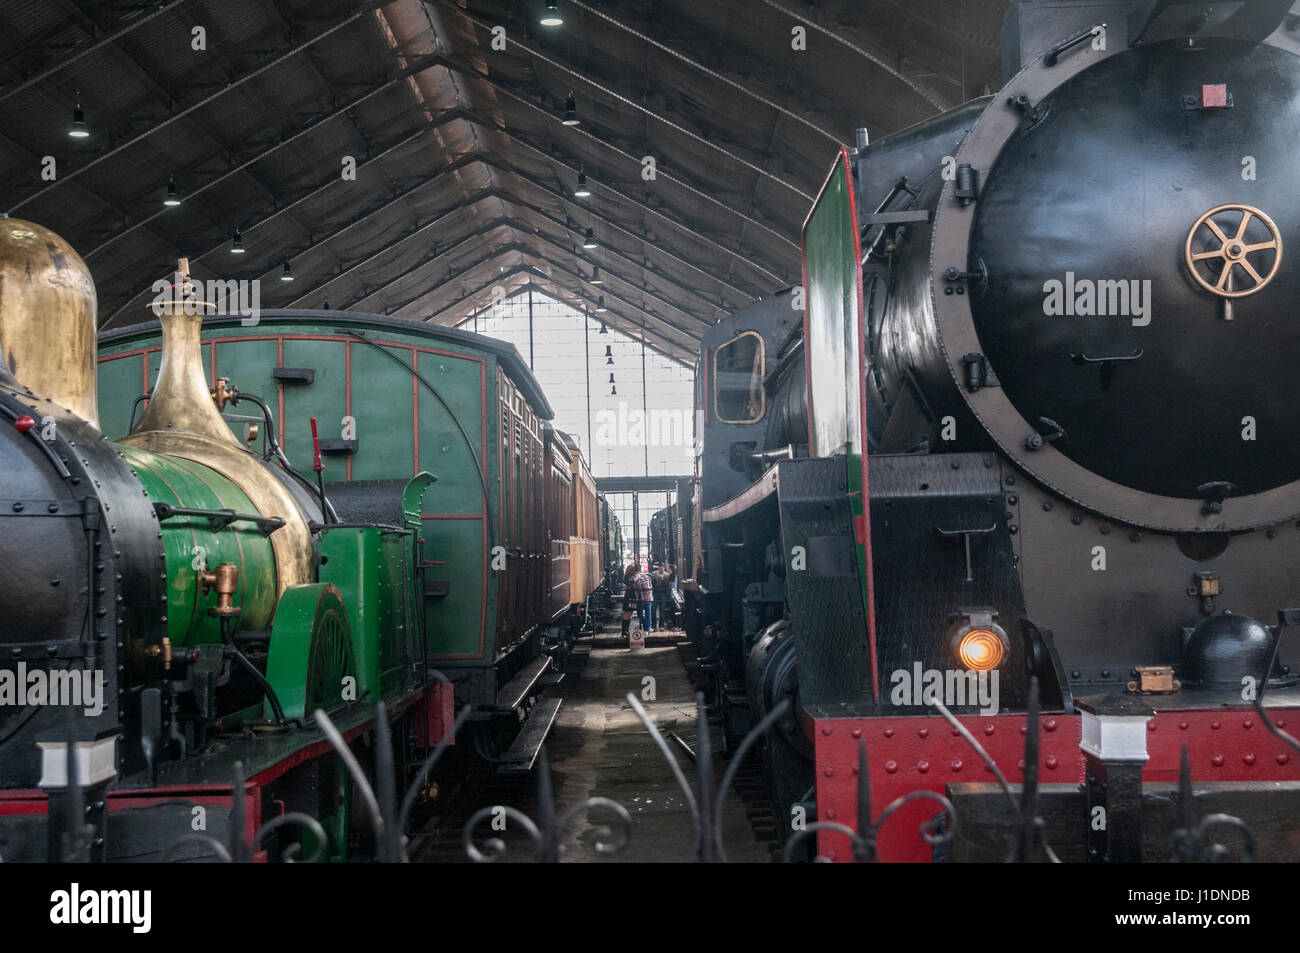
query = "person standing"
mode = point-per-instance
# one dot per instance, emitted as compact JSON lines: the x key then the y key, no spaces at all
{"x":662,"y":582}
{"x":629,"y":595}
{"x":645,"y":595}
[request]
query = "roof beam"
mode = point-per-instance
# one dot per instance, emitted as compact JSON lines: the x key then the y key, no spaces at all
{"x":625,"y":101}
{"x":701,"y":68}
{"x":243,"y":166}
{"x":609,"y":250}
{"x":583,"y":290}
{"x":331,"y":181}
{"x":577,"y":273}
{"x":500,"y":222}
{"x":626,"y":281}
{"x":85,"y":51}
{"x":673,"y":328}
{"x":457,"y":245}
{"x":293,"y":50}
{"x":780,"y":281}
{"x":612,"y":317}
{"x":633,"y":161}
{"x":931,"y":96}
{"x":568,"y":201}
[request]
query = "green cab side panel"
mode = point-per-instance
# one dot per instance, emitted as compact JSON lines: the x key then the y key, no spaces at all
{"x":371,"y":566}
{"x":833,"y":350}
{"x":831,"y":285}
{"x":399,"y":424}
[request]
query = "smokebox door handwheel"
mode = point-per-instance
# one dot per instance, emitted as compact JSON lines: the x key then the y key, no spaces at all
{"x":1215,"y":267}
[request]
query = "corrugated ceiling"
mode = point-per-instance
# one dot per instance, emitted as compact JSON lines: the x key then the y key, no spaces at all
{"x":464,"y":173}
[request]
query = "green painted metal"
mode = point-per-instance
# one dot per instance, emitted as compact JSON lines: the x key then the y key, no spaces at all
{"x":357,"y":386}
{"x":190,"y":545}
{"x":413,"y":498}
{"x":311,"y":657}
{"x":372,"y":568}
{"x":831,"y":279}
{"x":833,"y":340}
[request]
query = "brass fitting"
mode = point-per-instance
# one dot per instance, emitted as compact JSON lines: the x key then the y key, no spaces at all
{"x":1155,"y":680}
{"x":162,"y":651}
{"x":225,"y":579}
{"x":222,"y":393}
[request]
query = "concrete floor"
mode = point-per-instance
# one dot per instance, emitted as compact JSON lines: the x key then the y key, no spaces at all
{"x":599,"y":748}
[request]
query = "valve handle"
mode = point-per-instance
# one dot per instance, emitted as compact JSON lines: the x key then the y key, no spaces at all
{"x":317,"y":463}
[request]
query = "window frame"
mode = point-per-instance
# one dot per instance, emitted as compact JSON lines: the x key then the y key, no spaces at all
{"x":762,"y":371}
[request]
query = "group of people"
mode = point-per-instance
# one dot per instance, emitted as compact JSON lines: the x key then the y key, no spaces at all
{"x":650,"y":596}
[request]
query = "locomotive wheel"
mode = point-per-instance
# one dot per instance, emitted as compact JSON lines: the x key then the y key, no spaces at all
{"x":1233,"y":252}
{"x":311,"y":650}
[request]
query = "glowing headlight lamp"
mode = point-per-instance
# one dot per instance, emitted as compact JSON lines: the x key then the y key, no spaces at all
{"x":978,"y":643}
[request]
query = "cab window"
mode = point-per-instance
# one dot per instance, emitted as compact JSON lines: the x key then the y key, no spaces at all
{"x":738,"y":396}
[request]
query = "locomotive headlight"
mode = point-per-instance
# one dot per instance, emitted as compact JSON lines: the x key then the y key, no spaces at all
{"x":979,"y":643}
{"x":980,"y":650}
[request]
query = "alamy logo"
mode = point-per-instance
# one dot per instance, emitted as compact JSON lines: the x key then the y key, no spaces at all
{"x":952,"y":687}
{"x":210,"y":297}
{"x":633,"y":427}
{"x":1086,"y":297}
{"x":73,"y":689}
{"x":74,"y":906}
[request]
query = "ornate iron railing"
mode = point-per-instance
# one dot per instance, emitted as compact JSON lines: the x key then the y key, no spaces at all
{"x":1193,"y":840}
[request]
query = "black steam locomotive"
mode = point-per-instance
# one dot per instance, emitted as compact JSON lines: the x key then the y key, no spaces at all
{"x":1028,"y":424}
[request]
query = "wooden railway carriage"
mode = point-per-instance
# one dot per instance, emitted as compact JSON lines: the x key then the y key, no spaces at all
{"x":584,"y":548}
{"x":392,"y":398}
{"x":572,"y":527}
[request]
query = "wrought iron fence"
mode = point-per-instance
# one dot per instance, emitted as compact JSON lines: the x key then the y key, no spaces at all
{"x":1193,"y":839}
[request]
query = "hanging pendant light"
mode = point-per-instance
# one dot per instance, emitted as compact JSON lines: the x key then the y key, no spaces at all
{"x":173,"y":193}
{"x":595,"y":276}
{"x":601,"y":309}
{"x":590,"y":241}
{"x":287,"y":273}
{"x":78,"y":129}
{"x":570,"y":112}
{"x":609,"y":354}
{"x":551,"y":15}
{"x":236,"y":243}
{"x":582,"y":191}
{"x":603,"y":329}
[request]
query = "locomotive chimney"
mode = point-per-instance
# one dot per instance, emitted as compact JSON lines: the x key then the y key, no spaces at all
{"x":181,"y":401}
{"x":47,"y":317}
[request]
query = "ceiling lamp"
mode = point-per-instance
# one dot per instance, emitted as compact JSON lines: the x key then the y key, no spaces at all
{"x":590,"y":241}
{"x":551,"y":15}
{"x":582,"y":191}
{"x":173,"y":194}
{"x":570,"y":112}
{"x":287,"y":273}
{"x":78,"y":129}
{"x":609,"y":354}
{"x":601,"y":309}
{"x":236,"y":243}
{"x":595,"y":276}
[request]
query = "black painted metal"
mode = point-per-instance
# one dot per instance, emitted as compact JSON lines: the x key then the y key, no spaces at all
{"x":826,"y":613}
{"x":937,"y":520}
{"x":83,"y":593}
